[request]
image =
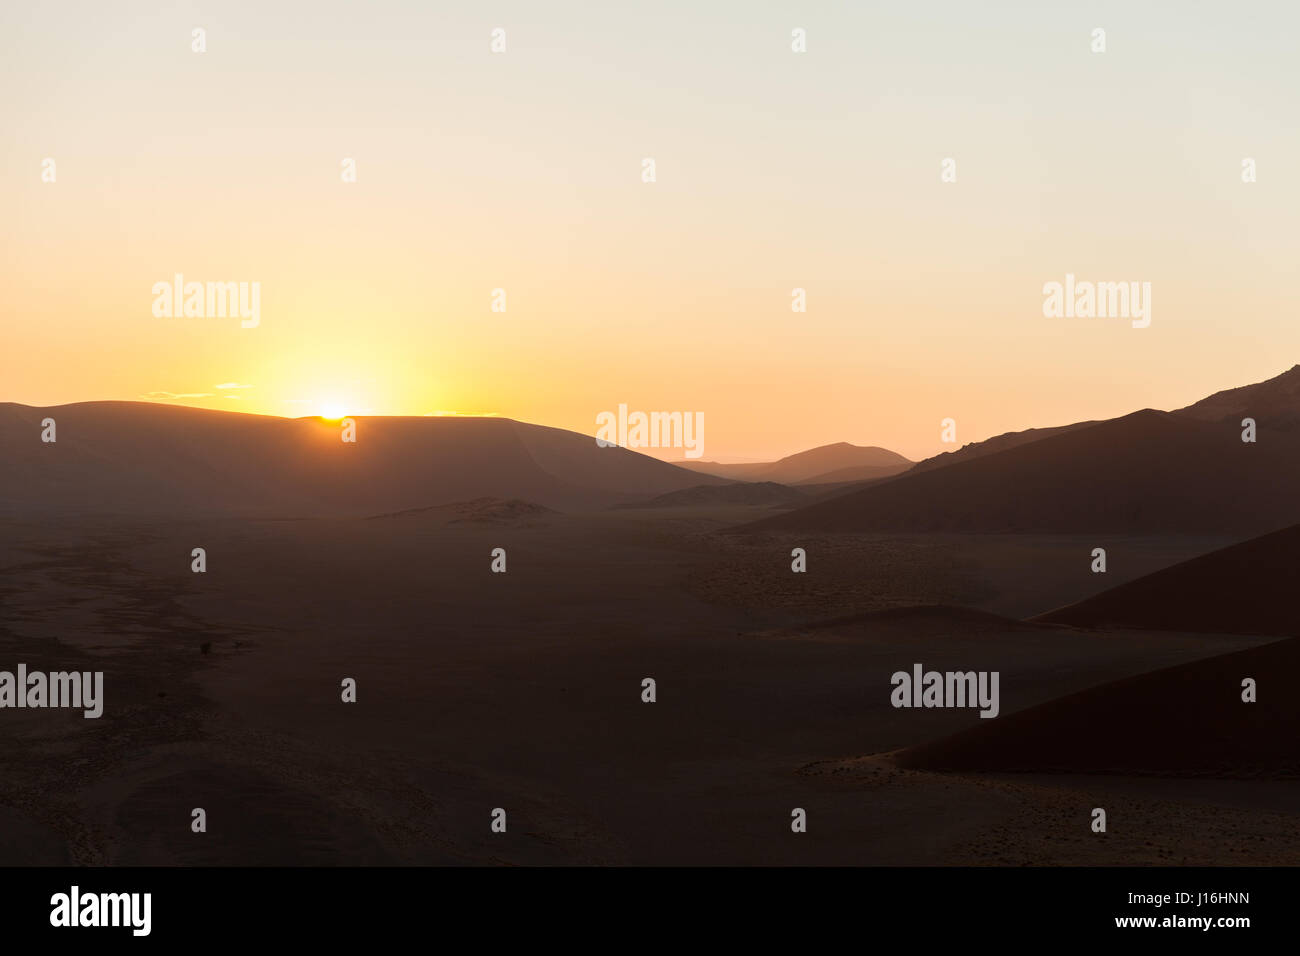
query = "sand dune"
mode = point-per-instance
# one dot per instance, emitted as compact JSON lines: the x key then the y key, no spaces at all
{"x":1187,"y":720}
{"x":141,"y":458}
{"x":991,"y":446}
{"x":857,"y":473}
{"x":1248,"y":588}
{"x":1274,"y":404}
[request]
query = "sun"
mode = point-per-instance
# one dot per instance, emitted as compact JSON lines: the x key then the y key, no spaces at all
{"x":332,"y":411}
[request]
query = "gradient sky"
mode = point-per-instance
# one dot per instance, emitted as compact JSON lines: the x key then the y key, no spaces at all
{"x":775,"y":170}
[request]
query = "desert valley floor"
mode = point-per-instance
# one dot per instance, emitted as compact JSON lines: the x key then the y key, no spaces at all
{"x":522,"y":691}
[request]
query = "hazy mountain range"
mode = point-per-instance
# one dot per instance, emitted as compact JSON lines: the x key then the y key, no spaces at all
{"x":136,"y":457}
{"x":823,"y":465}
{"x":1185,"y":471}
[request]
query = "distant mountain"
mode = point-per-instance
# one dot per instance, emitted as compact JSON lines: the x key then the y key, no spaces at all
{"x":1248,"y":588}
{"x":142,"y":458}
{"x":738,"y":493}
{"x":1148,"y":472}
{"x":812,"y":465}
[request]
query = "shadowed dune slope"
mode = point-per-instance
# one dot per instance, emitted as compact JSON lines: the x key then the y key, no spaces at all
{"x":991,"y":446}
{"x":1248,"y":588}
{"x":1187,"y":720}
{"x":1274,"y":404}
{"x":855,"y":474}
{"x":142,"y":458}
{"x":1148,"y":472}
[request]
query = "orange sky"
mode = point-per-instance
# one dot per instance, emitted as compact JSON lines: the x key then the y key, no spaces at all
{"x":775,"y":170}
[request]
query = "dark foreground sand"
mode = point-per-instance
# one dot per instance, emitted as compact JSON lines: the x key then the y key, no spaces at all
{"x":522,"y":691}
